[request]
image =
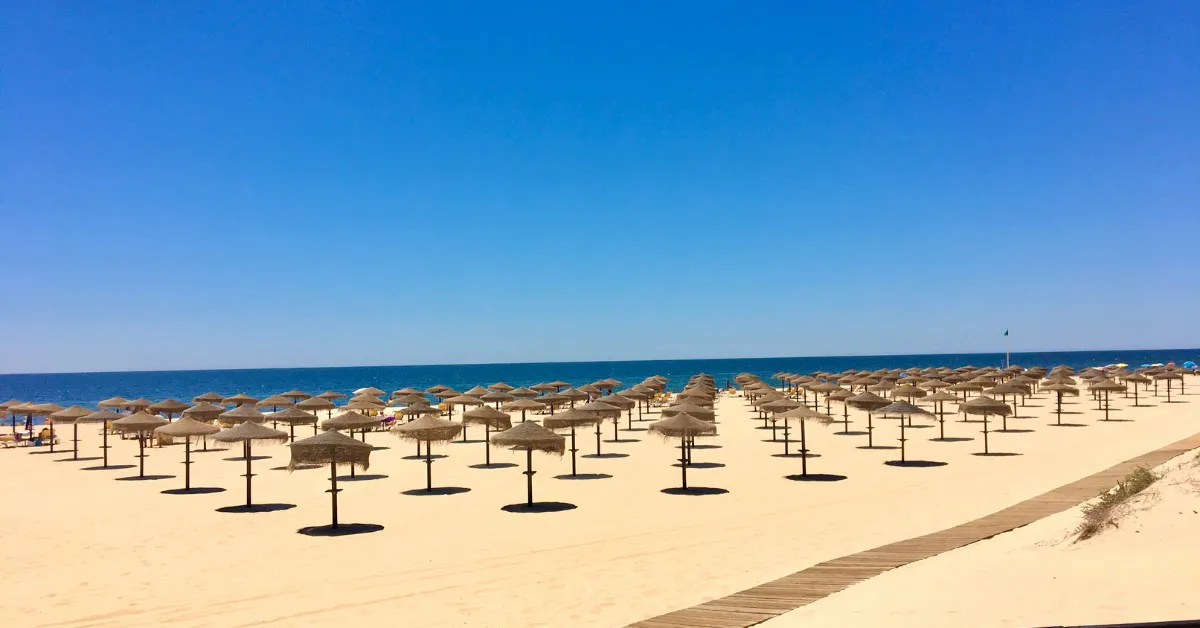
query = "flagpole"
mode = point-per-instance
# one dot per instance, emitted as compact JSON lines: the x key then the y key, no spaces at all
{"x":1006,"y":361}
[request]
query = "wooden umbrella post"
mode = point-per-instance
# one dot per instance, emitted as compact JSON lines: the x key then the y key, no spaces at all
{"x":529,"y":476}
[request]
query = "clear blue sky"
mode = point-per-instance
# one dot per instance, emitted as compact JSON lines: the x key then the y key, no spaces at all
{"x":239,"y":184}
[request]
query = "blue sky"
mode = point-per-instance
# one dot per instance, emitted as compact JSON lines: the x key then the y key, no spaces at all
{"x":233,"y":184}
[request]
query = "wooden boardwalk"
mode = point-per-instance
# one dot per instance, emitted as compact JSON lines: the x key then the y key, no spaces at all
{"x":765,"y":601}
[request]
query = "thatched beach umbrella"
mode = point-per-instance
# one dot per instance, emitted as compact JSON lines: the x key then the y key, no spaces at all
{"x":776,"y":406}
{"x":315,"y":404}
{"x":939,"y":400}
{"x":621,"y":402}
{"x":369,"y":390}
{"x":464,"y":401}
{"x":247,"y":433}
{"x":638,"y":396}
{"x":349,"y":421}
{"x":140,"y":423}
{"x":906,"y":411}
{"x":842,"y":395}
{"x":523,"y":393}
{"x":240,"y":400}
{"x":1004,"y":390}
{"x":5,"y":408}
{"x":102,"y":417}
{"x":490,"y":418}
{"x":529,"y":437}
{"x":803,"y":414}
{"x":685,"y":427}
{"x":1135,"y":379}
{"x":870,"y":402}
{"x":523,"y":404}
{"x":573,"y":395}
{"x":331,"y":395}
{"x":496,"y":397}
{"x":209,"y":397}
{"x":295,"y":396}
{"x":242,"y":414}
{"x":170,"y":407}
{"x":204,"y":412}
{"x":571,"y":419}
{"x":274,"y":402}
{"x":112,"y":402}
{"x":70,"y":415}
{"x":332,"y":448}
{"x":293,"y":416}
{"x":476,"y":391}
{"x":1106,"y":386}
{"x":187,"y":428}
{"x":985,"y":406}
{"x":428,"y":430}
{"x":1059,"y":390}
{"x":1168,"y":377}
{"x":604,"y":411}
{"x":502,"y":387}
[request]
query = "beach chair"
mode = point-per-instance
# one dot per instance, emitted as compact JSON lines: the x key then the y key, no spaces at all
{"x":8,"y":440}
{"x":43,"y":438}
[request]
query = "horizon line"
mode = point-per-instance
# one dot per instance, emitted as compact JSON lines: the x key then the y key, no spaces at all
{"x":791,"y":357}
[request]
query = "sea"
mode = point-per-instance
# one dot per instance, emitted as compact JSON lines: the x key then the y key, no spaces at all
{"x":86,"y":389}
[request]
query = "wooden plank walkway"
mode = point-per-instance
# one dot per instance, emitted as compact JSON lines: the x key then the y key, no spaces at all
{"x":765,"y":601}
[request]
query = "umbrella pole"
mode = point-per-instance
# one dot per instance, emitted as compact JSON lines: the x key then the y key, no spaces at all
{"x":74,"y":441}
{"x":187,"y":463}
{"x":573,"y":450}
{"x":870,"y":430}
{"x":104,"y":447}
{"x":1135,"y":397}
{"x":773,"y":425}
{"x":1058,"y":408}
{"x":529,"y":476}
{"x":845,"y":418}
{"x":616,"y":426}
{"x":629,"y":418}
{"x":487,"y":444}
{"x":333,"y":491}
{"x":52,"y":435}
{"x":428,"y":466}
{"x":804,"y":450}
{"x":522,"y":415}
{"x":985,"y":432}
{"x":249,"y":475}
{"x":786,"y":440}
{"x":292,"y":433}
{"x":598,"y":438}
{"x":683,"y":463}
{"x":141,"y":454}
{"x":1106,"y":405}
{"x":902,"y":438}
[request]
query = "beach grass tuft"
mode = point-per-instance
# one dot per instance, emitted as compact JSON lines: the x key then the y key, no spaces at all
{"x":1103,"y":513}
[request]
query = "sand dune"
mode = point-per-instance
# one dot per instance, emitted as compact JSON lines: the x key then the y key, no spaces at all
{"x":94,"y":551}
{"x":1142,"y":570}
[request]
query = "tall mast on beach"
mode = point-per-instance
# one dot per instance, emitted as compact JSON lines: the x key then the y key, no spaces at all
{"x":1006,"y":362}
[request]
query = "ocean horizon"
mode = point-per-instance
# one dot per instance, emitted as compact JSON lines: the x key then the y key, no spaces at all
{"x":86,"y":389}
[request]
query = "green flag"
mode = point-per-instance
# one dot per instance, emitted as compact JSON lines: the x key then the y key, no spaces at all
{"x":1006,"y":332}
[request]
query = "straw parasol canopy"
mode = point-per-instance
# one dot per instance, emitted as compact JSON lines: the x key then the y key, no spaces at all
{"x":331,"y":395}
{"x":242,"y":414}
{"x":240,"y":399}
{"x":407,"y":390}
{"x":436,"y":388}
{"x":491,"y":418}
{"x":294,"y":416}
{"x":496,"y":397}
{"x":685,"y":427}
{"x":101,"y":416}
{"x":523,"y":393}
{"x":350,"y":421}
{"x":204,"y":411}
{"x":70,"y":415}
{"x":420,"y":409}
{"x":170,"y":407}
{"x":187,"y":428}
{"x":428,"y":429}
{"x":113,"y":402}
{"x":523,"y":404}
{"x":210,"y":397}
{"x":369,"y":390}
{"x":410,"y":400}
{"x":939,"y":400}
{"x":274,"y":402}
{"x":1135,"y":379}
{"x":985,"y":406}
{"x":295,"y":395}
{"x":137,"y":405}
{"x":332,"y":448}
{"x":140,"y":423}
{"x":501,"y":387}
{"x":604,"y":411}
{"x":314,"y":404}
{"x":477,"y":391}
{"x":529,"y":437}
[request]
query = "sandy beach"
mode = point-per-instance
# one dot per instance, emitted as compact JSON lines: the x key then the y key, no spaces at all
{"x":89,"y":549}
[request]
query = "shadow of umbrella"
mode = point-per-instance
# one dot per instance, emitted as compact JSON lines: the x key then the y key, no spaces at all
{"x":332,"y":448}
{"x":246,"y":433}
{"x":530,"y":437}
